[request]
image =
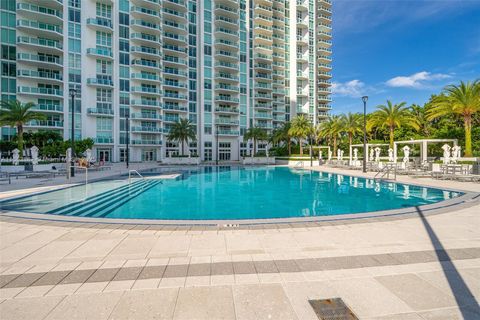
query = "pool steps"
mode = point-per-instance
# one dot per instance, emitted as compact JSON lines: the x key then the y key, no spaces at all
{"x":102,"y":204}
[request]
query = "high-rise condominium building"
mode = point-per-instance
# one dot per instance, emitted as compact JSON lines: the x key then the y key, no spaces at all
{"x":226,"y":65}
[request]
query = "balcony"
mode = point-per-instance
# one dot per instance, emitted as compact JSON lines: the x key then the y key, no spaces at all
{"x":144,"y":13}
{"x":226,"y":21}
{"x":155,"y":78}
{"x":100,"y":112}
{"x":49,"y":108}
{"x":146,"y":39}
{"x":263,"y":96}
{"x":227,"y":33}
{"x":100,"y":52}
{"x":224,"y":10}
{"x":146,"y":26}
{"x":146,"y":90}
{"x":228,"y":132}
{"x":226,"y":110}
{"x":171,"y":118}
{"x":173,"y":107}
{"x":174,"y":14}
{"x":146,"y":142}
{"x":324,"y":98}
{"x":174,"y":38}
{"x":264,"y":106}
{"x":45,"y":123}
{"x":146,"y":129}
{"x":147,"y":64}
{"x":43,"y":44}
{"x":225,"y":87}
{"x":227,"y":99}
{"x":145,"y":51}
{"x":226,"y":76}
{"x":41,"y":28}
{"x":147,"y":103}
{"x":41,"y":75}
{"x":175,"y":27}
{"x":175,"y":96}
{"x":226,"y":121}
{"x":232,"y":67}
{"x":101,"y":24}
{"x":261,"y":115}
{"x":175,"y":84}
{"x":171,"y":60}
{"x":104,"y":140}
{"x":99,"y":82}
{"x":175,"y":49}
{"x":39,"y":12}
{"x":48,"y":92}
{"x":145,"y":116}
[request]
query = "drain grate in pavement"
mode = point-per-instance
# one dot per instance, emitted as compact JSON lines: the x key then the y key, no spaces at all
{"x":332,"y":309}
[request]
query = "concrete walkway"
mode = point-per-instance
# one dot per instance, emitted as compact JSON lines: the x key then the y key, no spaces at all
{"x":415,"y":268}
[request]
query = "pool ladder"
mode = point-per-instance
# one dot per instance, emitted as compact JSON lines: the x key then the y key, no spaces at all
{"x":130,"y":175}
{"x":386,"y":170}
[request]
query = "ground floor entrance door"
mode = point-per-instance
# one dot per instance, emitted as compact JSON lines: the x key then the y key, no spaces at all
{"x":149,"y":155}
{"x":104,"y":155}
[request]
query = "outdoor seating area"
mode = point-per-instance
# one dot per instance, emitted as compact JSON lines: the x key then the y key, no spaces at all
{"x":451,"y":166}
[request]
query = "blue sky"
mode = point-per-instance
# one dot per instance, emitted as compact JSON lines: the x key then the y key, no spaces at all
{"x":401,"y":50}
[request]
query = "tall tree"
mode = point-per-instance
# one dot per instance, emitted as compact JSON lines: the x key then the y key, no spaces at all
{"x":281,"y":135}
{"x":16,"y":114}
{"x":462,"y":100}
{"x":392,"y":116}
{"x":332,"y":130}
{"x":255,"y":134}
{"x":352,"y":124}
{"x":300,"y":129}
{"x":182,"y":131}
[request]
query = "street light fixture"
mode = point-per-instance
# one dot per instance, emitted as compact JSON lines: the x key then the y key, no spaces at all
{"x":365,"y":99}
{"x":127,"y":120}
{"x":73,"y":92}
{"x":216,"y":140}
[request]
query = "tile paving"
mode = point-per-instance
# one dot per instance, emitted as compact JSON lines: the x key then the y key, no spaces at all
{"x":63,"y":270}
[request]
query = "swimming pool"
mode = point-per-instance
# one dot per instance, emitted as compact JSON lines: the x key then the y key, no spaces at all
{"x":226,"y":193}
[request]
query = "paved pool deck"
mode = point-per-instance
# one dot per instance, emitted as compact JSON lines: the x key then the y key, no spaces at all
{"x":421,"y":267}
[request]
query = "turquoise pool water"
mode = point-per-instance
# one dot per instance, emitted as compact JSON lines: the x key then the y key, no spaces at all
{"x":211,"y":193}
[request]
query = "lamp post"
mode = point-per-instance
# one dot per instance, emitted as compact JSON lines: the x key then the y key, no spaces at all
{"x":73,"y":92}
{"x":128,"y":138}
{"x":365,"y":99}
{"x":216,"y":141}
{"x":311,"y":150}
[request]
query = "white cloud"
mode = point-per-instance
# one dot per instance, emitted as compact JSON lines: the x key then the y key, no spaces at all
{"x":416,"y":80}
{"x":353,"y":88}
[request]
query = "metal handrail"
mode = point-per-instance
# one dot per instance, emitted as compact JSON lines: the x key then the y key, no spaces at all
{"x":130,"y":175}
{"x":86,"y":180}
{"x":299,"y":164}
{"x":386,"y":171}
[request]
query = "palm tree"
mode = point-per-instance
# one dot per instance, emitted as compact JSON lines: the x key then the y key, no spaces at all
{"x":255,"y":134}
{"x":332,"y":130}
{"x":16,"y":114}
{"x":352,"y":124}
{"x":281,"y":135}
{"x":420,"y":113}
{"x":182,"y":131}
{"x":462,"y":100}
{"x":300,"y":129}
{"x":392,"y":116}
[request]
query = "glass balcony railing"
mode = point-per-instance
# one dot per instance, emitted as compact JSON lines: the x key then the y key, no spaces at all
{"x":104,"y":140}
{"x":100,"y":111}
{"x":40,"y":91}
{"x":45,"y":123}
{"x":40,"y":42}
{"x":39,"y":74}
{"x":40,"y":26}
{"x":39,"y":10}
{"x":48,"y":107}
{"x":39,"y":58}
{"x":100,"y":52}
{"x":100,"y":22}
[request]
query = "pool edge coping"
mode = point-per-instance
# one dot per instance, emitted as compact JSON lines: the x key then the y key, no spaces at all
{"x":467,"y":199}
